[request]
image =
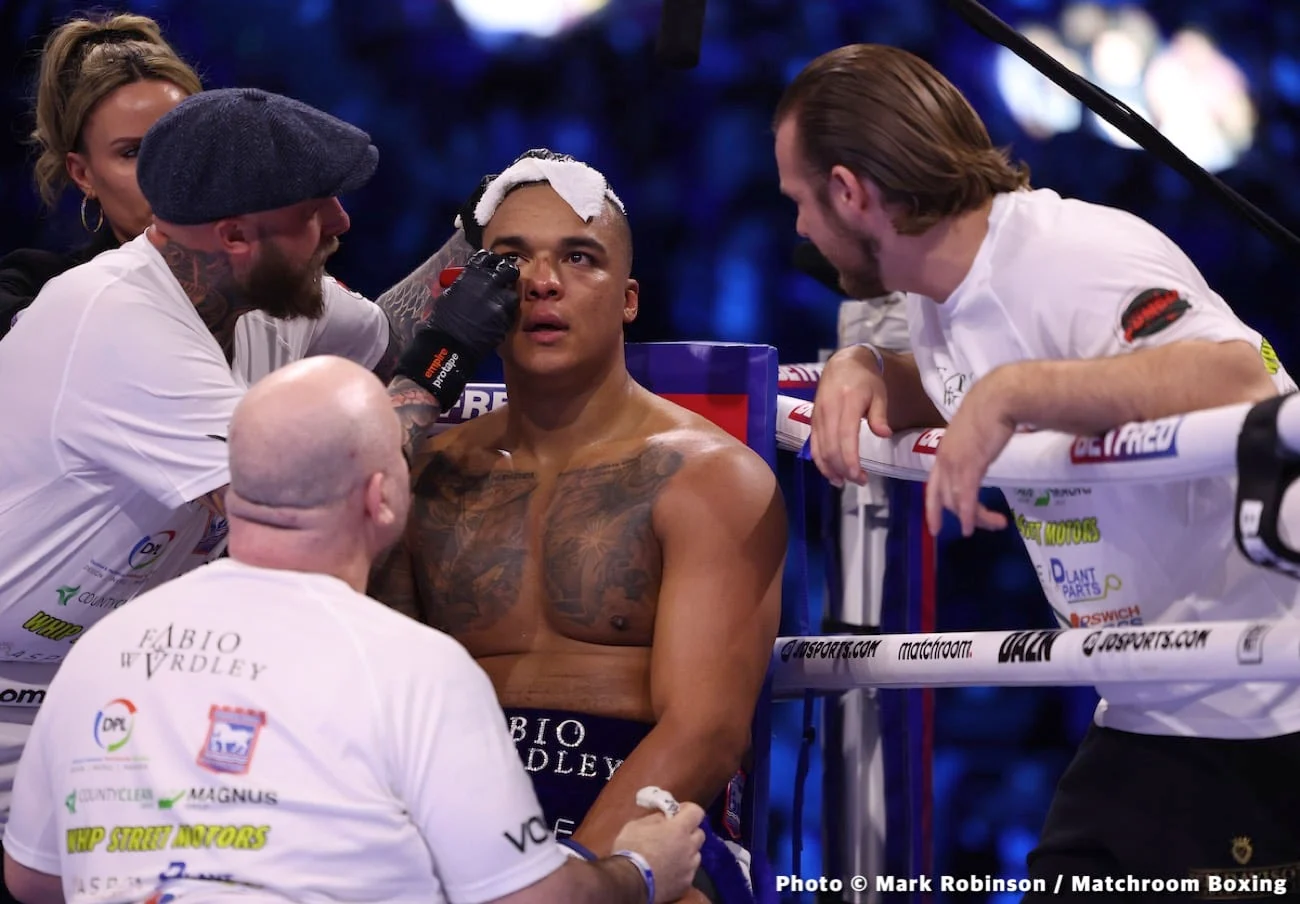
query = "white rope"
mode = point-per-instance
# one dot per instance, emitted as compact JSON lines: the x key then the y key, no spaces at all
{"x":1200,"y":444}
{"x":1209,"y":651}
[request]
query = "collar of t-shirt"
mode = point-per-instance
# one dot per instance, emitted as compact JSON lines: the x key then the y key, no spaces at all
{"x":979,"y":271}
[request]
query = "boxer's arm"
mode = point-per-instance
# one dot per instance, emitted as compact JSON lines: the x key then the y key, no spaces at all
{"x":30,"y":886}
{"x":1095,"y":395}
{"x":722,"y":527}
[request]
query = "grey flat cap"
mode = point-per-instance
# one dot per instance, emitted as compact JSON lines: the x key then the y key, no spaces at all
{"x":234,"y":151}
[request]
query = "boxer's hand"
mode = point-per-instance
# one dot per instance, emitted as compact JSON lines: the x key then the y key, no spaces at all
{"x":975,"y":437}
{"x":670,"y":844}
{"x":468,"y":321}
{"x":851,"y":387}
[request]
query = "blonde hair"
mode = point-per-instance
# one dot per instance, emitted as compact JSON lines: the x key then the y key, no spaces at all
{"x":888,"y":116}
{"x":85,"y":60}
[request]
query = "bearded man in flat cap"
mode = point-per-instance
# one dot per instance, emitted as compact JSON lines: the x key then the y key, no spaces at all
{"x":116,"y":385}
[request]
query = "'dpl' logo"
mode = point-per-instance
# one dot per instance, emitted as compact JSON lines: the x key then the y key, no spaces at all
{"x":114,"y":724}
{"x":147,"y":551}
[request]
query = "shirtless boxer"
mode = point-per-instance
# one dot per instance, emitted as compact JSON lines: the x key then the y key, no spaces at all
{"x":610,"y":559}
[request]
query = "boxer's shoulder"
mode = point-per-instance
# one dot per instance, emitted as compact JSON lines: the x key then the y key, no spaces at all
{"x":467,"y":448}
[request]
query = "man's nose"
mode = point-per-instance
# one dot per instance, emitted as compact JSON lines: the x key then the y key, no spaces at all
{"x":334,"y":219}
{"x":540,"y":278}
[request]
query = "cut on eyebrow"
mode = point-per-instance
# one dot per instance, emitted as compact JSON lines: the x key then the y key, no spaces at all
{"x":567,"y":243}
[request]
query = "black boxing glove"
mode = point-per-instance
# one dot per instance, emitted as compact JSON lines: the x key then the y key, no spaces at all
{"x":469,"y":320}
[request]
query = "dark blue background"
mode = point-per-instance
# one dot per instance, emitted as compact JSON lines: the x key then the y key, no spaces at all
{"x":690,"y":154}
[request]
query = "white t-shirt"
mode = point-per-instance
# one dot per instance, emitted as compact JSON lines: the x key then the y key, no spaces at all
{"x":280,"y":730}
{"x":1063,"y":279}
{"x":115,"y":399}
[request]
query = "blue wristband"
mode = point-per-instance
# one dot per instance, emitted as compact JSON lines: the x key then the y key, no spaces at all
{"x":646,"y":872}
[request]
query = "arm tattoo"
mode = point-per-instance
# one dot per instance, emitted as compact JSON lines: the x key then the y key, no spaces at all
{"x":205,"y":276}
{"x":469,"y":542}
{"x":416,"y":409}
{"x":409,"y":303}
{"x":600,"y":555}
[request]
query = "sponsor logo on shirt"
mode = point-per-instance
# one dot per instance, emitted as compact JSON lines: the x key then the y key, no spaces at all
{"x":177,"y":870}
{"x":142,"y":796}
{"x":1068,"y":532}
{"x":149,"y":548}
{"x":829,"y":649}
{"x":1131,"y":442}
{"x":89,"y":598}
{"x":1028,"y":646}
{"x":231,"y":740}
{"x":531,"y":830}
{"x":1107,"y":618}
{"x":191,"y":651}
{"x":135,"y":839}
{"x":1145,"y":641}
{"x":42,"y":624}
{"x":1081,"y":585}
{"x":1152,"y":311}
{"x":935,"y":649}
{"x":1043,"y":498}
{"x":217,"y":796}
{"x":114,"y":724}
{"x":101,"y":885}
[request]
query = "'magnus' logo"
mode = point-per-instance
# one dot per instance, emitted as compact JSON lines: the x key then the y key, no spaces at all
{"x":114,"y":724}
{"x":150,"y":547}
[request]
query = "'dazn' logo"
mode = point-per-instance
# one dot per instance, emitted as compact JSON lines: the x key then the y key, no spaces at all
{"x":1151,"y":312}
{"x":150,"y":547}
{"x":114,"y":724}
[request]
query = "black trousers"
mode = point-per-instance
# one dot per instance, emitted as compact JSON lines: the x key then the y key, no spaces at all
{"x":1225,"y":814}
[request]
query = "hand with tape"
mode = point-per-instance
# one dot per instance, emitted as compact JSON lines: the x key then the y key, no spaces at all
{"x":469,"y":320}
{"x":665,"y":845}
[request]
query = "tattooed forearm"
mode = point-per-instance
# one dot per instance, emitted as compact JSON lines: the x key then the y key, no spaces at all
{"x":409,"y":303}
{"x":416,"y":409}
{"x":207,"y":279}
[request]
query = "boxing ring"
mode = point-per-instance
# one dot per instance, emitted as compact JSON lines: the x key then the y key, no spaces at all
{"x":882,"y":827}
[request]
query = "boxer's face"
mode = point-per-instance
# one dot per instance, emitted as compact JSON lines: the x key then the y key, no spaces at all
{"x":575,"y":292}
{"x":855,"y":254}
{"x":293,"y":245}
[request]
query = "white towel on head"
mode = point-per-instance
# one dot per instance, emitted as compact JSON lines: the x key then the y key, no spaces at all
{"x":583,"y":188}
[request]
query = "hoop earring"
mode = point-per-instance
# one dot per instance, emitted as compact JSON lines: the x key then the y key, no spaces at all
{"x":99,"y":224}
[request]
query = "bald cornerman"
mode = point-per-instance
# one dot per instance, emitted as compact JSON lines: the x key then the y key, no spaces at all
{"x":272,"y":727}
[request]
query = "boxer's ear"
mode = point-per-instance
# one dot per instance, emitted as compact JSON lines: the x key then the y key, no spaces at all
{"x":631,"y":300}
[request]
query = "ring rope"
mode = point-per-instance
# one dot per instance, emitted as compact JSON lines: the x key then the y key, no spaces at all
{"x":1195,"y":652}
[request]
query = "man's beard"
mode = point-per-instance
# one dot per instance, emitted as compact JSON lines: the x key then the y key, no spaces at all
{"x":859,"y":278}
{"x":281,"y":289}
